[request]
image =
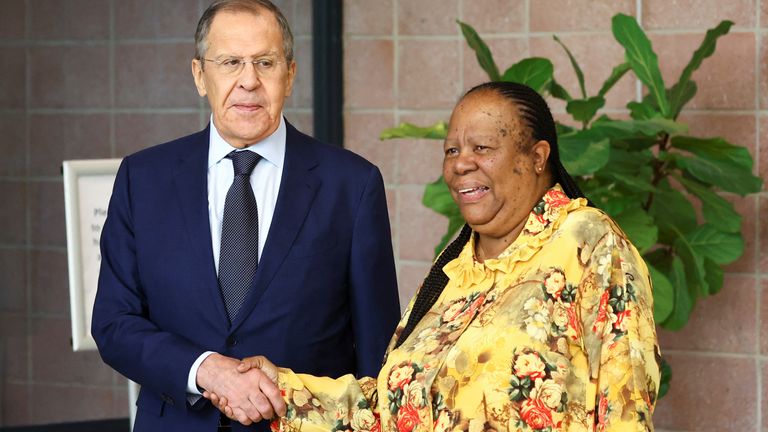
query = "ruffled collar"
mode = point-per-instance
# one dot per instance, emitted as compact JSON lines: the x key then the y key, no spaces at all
{"x":543,"y":221}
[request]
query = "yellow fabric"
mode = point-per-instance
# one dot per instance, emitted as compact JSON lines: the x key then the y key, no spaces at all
{"x":556,"y":334}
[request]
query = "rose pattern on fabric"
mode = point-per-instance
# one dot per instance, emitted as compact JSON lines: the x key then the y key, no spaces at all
{"x":537,"y":389}
{"x":545,"y":211}
{"x":553,"y":316}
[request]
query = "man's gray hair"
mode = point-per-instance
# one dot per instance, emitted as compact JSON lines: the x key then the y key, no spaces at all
{"x":253,"y":6}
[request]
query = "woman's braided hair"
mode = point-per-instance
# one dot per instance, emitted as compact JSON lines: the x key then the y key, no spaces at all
{"x":538,"y":117}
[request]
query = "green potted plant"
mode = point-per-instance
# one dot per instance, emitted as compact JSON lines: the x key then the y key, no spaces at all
{"x":629,"y":168}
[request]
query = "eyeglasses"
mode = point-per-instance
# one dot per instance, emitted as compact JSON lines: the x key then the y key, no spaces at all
{"x":232,"y":66}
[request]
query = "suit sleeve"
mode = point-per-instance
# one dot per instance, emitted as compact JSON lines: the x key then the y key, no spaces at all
{"x":126,"y":337}
{"x":372,"y":278}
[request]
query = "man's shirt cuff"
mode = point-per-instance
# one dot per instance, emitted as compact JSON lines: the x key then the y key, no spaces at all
{"x":193,"y":392}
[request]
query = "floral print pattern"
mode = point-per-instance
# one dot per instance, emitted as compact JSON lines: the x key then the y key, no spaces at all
{"x":406,"y":395}
{"x":556,"y":334}
{"x":539,"y":391}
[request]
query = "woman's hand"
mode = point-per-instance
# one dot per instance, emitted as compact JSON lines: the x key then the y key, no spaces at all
{"x":271,"y":391}
{"x":261,"y":363}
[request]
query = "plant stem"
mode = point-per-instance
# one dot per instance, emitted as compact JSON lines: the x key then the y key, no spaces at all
{"x":659,"y":173}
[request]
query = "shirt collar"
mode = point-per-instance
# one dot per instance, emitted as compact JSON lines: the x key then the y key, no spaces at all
{"x":271,"y":148}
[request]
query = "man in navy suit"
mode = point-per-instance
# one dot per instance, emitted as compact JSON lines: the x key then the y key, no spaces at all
{"x":320,"y":295}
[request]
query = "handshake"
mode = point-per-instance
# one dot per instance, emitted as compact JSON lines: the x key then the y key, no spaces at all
{"x":245,"y":391}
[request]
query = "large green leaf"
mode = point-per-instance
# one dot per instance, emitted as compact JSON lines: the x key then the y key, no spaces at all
{"x":631,"y":162}
{"x":638,"y":143}
{"x":583,"y":110}
{"x":683,"y":301}
{"x":715,"y":149}
{"x":665,"y":379}
{"x":706,"y":49}
{"x":727,"y":176}
{"x":615,"y":76}
{"x":438,"y":197}
{"x":634,"y":183}
{"x":693,"y":262}
{"x":438,"y":130}
{"x":663,"y":295}
{"x":720,"y":247}
{"x":558,"y":91}
{"x":641,"y":58}
{"x":647,"y":127}
{"x":641,"y":110}
{"x":672,"y":212}
{"x":640,"y":228}
{"x":535,"y":72}
{"x":656,"y":125}
{"x":717,"y":210}
{"x":583,"y":153}
{"x":615,"y":206}
{"x":714,"y":276}
{"x":483,"y":54}
{"x":608,"y":196}
{"x":682,"y":94}
{"x":576,"y":68}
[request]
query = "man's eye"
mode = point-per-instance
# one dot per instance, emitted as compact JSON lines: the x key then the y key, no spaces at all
{"x":232,"y":62}
{"x":265,"y":63}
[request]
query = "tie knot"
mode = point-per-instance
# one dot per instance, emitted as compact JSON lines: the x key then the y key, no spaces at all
{"x":244,"y":161}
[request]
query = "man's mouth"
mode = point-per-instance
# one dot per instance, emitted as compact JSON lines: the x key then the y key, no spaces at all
{"x":247,"y":107}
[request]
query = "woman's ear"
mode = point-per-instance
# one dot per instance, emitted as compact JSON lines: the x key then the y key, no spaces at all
{"x":540,"y":152}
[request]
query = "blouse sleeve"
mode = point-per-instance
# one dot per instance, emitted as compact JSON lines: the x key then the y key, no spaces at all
{"x":327,"y":404}
{"x":619,"y":337}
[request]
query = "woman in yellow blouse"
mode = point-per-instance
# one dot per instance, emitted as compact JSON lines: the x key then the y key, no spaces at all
{"x":531,"y":320}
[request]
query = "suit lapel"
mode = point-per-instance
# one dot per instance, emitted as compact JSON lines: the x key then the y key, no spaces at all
{"x":191,"y":185}
{"x":297,"y":191}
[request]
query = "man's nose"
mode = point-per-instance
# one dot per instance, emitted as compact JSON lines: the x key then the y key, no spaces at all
{"x":249,"y":78}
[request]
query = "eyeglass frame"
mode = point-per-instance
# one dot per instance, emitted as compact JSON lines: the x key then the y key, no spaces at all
{"x":242,"y":62}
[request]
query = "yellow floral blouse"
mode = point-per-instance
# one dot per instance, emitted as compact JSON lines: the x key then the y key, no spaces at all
{"x":556,"y":334}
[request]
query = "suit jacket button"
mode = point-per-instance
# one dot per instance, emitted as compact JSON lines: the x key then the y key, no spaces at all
{"x":167,"y":399}
{"x":231,"y":341}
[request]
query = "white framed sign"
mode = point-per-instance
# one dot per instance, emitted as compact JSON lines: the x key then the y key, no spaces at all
{"x":87,"y":188}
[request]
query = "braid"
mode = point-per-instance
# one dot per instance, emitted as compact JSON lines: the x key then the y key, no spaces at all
{"x":433,"y":284}
{"x":567,"y":182}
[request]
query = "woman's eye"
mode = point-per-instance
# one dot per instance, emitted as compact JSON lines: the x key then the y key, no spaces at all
{"x":480,"y":148}
{"x":451,"y":151}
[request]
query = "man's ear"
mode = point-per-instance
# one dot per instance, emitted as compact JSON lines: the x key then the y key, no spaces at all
{"x":197,"y":74}
{"x":291,"y":76}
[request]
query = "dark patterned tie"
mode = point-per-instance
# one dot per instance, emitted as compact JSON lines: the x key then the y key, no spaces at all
{"x":239,"y":255}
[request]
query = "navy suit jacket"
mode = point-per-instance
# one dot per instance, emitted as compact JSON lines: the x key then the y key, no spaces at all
{"x":323,"y":301}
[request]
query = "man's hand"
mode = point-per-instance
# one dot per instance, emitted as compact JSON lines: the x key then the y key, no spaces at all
{"x":249,"y":394}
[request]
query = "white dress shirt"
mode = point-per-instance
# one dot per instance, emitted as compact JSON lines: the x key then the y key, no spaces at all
{"x":265,"y":182}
